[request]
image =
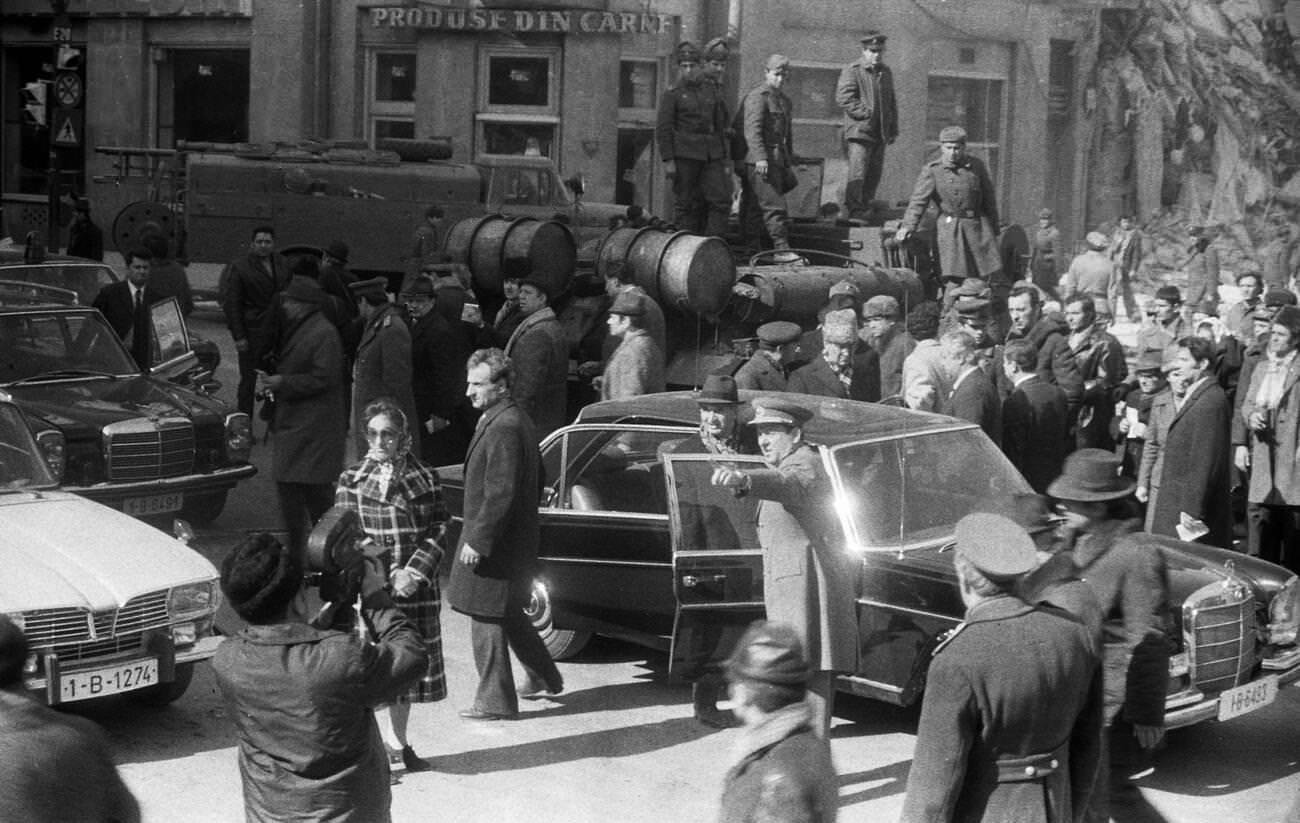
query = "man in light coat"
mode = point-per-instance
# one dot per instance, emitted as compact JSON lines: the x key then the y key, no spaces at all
{"x":1271,"y":411}
{"x":637,"y":366}
{"x":492,"y":575}
{"x":807,"y":575}
{"x":540,"y":353}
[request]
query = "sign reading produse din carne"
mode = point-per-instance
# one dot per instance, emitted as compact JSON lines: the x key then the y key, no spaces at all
{"x":562,"y":21}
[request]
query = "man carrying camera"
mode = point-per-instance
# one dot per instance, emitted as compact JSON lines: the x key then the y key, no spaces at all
{"x":303,"y":696}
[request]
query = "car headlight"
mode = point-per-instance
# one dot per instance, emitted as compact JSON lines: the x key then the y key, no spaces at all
{"x":1284,"y":614}
{"x":191,"y":599}
{"x":53,"y":449}
{"x":239,"y":437}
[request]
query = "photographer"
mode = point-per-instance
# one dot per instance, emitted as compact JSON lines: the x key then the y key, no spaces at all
{"x":302,"y":697}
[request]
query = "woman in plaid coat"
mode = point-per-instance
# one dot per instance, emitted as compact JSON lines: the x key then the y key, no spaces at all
{"x":399,"y":501}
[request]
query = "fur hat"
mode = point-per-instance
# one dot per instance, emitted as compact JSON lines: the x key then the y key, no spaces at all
{"x":841,"y":327}
{"x":953,"y":134}
{"x":259,"y":578}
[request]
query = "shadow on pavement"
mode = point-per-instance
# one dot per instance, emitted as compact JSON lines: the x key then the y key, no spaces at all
{"x":890,"y":780}
{"x":627,"y":741}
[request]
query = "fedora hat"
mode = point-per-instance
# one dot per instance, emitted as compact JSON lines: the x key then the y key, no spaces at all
{"x":1091,"y":476}
{"x":719,"y":390}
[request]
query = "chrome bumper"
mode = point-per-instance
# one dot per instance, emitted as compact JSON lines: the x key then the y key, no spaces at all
{"x":211,"y":481}
{"x":1188,"y":709}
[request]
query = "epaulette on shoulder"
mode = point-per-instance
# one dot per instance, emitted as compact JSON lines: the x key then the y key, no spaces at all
{"x":946,"y":637}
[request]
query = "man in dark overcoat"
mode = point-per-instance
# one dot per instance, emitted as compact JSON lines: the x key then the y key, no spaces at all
{"x":1099,"y":356}
{"x":691,"y":131}
{"x":784,"y":771}
{"x":1033,"y":418}
{"x":967,"y":228}
{"x":764,"y":369}
{"x":1048,"y":333}
{"x":808,"y":577}
{"x":492,"y":575}
{"x":973,"y":396}
{"x":847,"y":368}
{"x":540,"y":352}
{"x":85,"y":239}
{"x":245,"y":289}
{"x":1270,"y":450}
{"x":125,"y":305}
{"x":1195,"y":465}
{"x":54,"y":766}
{"x":437,"y":378}
{"x":1011,"y":717}
{"x":865,"y":91}
{"x":382,"y":367}
{"x":310,"y":424}
{"x":766,"y":121}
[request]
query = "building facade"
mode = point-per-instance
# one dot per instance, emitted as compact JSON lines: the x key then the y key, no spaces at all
{"x":575,"y":80}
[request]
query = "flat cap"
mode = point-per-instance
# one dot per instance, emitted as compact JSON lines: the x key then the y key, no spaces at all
{"x":1096,"y":240}
{"x":1279,"y":297}
{"x":844,"y":287}
{"x":952,"y":134}
{"x":1169,"y":294}
{"x":541,"y":284}
{"x":373,"y":290}
{"x":776,"y":61}
{"x":997,"y":546}
{"x":628,"y":303}
{"x":770,"y":652}
{"x":840,"y":327}
{"x":717,"y":49}
{"x":1149,"y":360}
{"x":778,"y":333}
{"x":972,"y":306}
{"x":873,"y":38}
{"x":882,"y":305}
{"x":780,"y":411}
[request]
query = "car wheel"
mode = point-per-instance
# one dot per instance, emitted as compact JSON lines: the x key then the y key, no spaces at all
{"x":166,"y":693}
{"x":203,"y":509}
{"x":561,"y":643}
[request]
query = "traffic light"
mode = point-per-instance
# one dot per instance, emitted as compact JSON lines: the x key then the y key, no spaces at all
{"x":69,"y":58}
{"x":35,"y":112}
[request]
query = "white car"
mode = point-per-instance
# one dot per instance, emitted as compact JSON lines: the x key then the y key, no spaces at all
{"x":109,"y":603}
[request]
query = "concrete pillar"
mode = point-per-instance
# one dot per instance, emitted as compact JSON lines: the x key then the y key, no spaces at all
{"x":590,"y":134}
{"x":284,"y":44}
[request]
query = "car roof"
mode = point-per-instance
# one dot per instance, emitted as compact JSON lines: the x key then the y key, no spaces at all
{"x":15,"y":256}
{"x":834,"y":421}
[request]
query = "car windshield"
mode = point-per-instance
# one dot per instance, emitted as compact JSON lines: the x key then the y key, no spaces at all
{"x":21,"y":464}
{"x":913,"y":490}
{"x":35,"y":345}
{"x":85,"y":279}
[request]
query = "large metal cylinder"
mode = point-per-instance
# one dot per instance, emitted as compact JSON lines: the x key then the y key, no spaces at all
{"x":496,"y":247}
{"x":797,"y":292}
{"x":682,"y":271}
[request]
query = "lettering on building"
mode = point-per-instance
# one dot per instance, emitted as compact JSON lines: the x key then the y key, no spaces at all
{"x":519,"y":21}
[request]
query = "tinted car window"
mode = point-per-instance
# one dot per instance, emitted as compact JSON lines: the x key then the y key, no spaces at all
{"x":84,"y":280}
{"x":36,"y":344}
{"x":915,"y":489}
{"x":617,"y":470}
{"x":21,"y":464}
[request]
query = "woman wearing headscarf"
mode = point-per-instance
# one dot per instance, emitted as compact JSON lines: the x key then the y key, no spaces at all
{"x":399,"y":501}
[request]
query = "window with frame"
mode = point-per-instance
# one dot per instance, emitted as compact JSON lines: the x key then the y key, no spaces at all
{"x":391,"y":95}
{"x":817,"y":117}
{"x":519,"y":101}
{"x":974,"y":103}
{"x":638,"y":83}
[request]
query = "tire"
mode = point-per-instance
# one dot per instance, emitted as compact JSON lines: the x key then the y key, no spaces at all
{"x":561,"y":643}
{"x":203,"y":509}
{"x":166,"y":693}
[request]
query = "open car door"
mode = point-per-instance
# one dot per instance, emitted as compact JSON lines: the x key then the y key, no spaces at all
{"x":717,"y":562}
{"x":172,"y":356}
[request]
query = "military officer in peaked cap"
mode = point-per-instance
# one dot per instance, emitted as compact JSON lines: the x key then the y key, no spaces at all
{"x":1011,"y":717}
{"x":865,"y":91}
{"x":764,"y":369}
{"x":807,"y":574}
{"x":967,"y":228}
{"x":692,"y":136}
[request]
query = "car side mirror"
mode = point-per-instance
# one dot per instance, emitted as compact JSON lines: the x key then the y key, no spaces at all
{"x":549,"y":496}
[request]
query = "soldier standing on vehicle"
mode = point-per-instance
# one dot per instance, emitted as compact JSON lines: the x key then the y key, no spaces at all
{"x":967,"y":228}
{"x":692,"y":137}
{"x":769,"y":156}
{"x":247,"y":287}
{"x":807,"y":575}
{"x":427,"y":243}
{"x":866,"y":93}
{"x":1011,"y":716}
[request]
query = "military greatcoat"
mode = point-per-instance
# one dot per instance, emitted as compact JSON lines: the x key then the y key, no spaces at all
{"x":1010,"y":727}
{"x":967,"y":228}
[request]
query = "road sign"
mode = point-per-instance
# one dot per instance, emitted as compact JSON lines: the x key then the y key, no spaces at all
{"x":67,"y":127}
{"x":68,"y":89}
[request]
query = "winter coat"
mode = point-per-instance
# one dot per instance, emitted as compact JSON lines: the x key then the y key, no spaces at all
{"x":785,"y":773}
{"x":540,"y":352}
{"x":1056,"y":363}
{"x":807,"y":575}
{"x":867,"y":118}
{"x":818,"y":378}
{"x":1275,"y":455}
{"x":502,"y":489}
{"x":893,"y":348}
{"x":761,"y":372}
{"x":1034,"y":424}
{"x":692,"y":122}
{"x":967,"y":227}
{"x":1090,"y":273}
{"x":635,"y":368}
{"x":245,"y":289}
{"x":976,"y":400}
{"x":57,"y":767}
{"x":1100,"y":359}
{"x":768,"y":129}
{"x":382,"y":369}
{"x":1195,"y":473}
{"x":310,"y":422}
{"x":302,"y":700}
{"x":1014,"y":688}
